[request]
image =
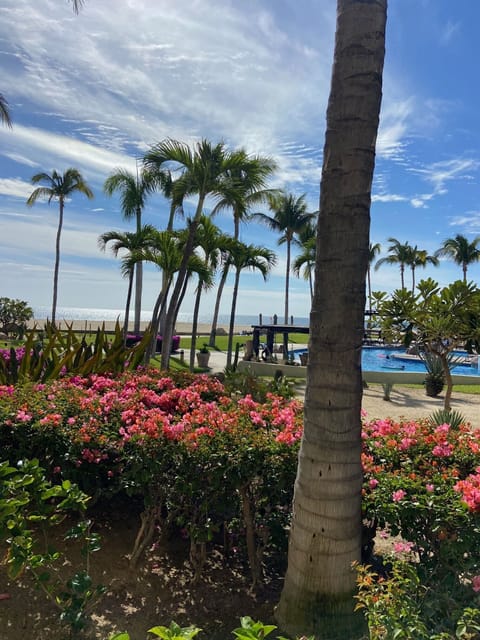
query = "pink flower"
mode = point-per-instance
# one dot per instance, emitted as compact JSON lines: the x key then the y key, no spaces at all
{"x":398,"y":495}
{"x":402,"y":547}
{"x":476,"y":583}
{"x":373,"y":483}
{"x":430,"y":488}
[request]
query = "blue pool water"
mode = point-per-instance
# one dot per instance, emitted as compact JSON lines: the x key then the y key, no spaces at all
{"x":380,"y":359}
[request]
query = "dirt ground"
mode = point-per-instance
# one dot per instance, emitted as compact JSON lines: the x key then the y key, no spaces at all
{"x":413,"y":403}
{"x":158,"y":591}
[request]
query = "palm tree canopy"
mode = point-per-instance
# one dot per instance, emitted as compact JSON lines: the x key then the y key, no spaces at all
{"x":460,"y":250}
{"x":58,"y":186}
{"x":252,"y":257}
{"x":399,"y":254}
{"x":373,"y":251}
{"x":203,"y":169}
{"x":133,"y":190}
{"x":5,"y":112}
{"x":128,"y":241}
{"x":290,"y":216}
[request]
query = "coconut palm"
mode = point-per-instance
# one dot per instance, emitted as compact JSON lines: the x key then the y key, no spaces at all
{"x":304,"y":263}
{"x":203,"y":172}
{"x":373,"y":251}
{"x":420,"y":258}
{"x":133,"y":191}
{"x":399,"y":254}
{"x":245,"y":256}
{"x":325,"y":534}
{"x":132,"y":244}
{"x":5,"y":112}
{"x":58,"y":187}
{"x":289,"y":218}
{"x":249,"y":190}
{"x":461,"y":251}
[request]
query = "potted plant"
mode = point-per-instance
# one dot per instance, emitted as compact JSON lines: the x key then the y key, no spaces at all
{"x":203,"y":356}
{"x":435,"y":378}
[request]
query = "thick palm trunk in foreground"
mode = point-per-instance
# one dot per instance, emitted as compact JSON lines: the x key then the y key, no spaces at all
{"x":325,"y":537}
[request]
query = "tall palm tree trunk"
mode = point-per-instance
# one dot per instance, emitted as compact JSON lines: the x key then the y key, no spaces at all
{"x":127,"y":306}
{"x":325,"y":537}
{"x":177,"y":290}
{"x":61,"y":206}
{"x":138,"y":297}
{"x":196,"y":309}
{"x":232,"y":318}
{"x":287,"y":279}
{"x":216,"y":311}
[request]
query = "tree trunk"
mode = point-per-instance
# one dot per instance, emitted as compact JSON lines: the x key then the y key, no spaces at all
{"x":61,"y":206}
{"x":325,"y":537}
{"x":138,"y":297}
{"x":127,"y":307}
{"x":194,"y":325}
{"x":221,"y":285}
{"x":232,"y":319}
{"x":287,"y":280}
{"x":177,"y":290}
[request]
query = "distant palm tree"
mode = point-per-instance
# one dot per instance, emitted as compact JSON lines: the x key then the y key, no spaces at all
{"x":133,"y":191}
{"x":243,"y":256}
{"x":304,"y":263}
{"x":132,"y":244}
{"x":204,"y":172}
{"x":249,"y":189}
{"x":5,"y":112}
{"x":59,"y":187}
{"x":289,"y":218}
{"x":420,"y":258}
{"x":461,"y":251}
{"x":373,"y":251}
{"x":209,"y":238}
{"x":77,"y":5}
{"x":399,"y":254}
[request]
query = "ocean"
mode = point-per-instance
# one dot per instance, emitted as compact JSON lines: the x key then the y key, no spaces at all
{"x":92,"y":314}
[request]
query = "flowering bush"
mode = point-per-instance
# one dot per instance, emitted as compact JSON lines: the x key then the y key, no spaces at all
{"x":422,"y":484}
{"x":199,"y":459}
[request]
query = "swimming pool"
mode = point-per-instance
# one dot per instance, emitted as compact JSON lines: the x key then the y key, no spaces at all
{"x":380,"y":359}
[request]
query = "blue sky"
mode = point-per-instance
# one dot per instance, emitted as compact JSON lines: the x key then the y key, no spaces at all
{"x":94,"y":91}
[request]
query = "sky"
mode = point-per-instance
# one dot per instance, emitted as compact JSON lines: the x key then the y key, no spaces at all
{"x":94,"y":91}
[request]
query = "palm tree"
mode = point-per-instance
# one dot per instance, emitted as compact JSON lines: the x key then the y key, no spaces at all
{"x":5,"y":112}
{"x":461,"y":251}
{"x":132,"y":244}
{"x":373,"y":251}
{"x":420,"y":258}
{"x":204,"y":173}
{"x":399,"y":254}
{"x":249,"y":190}
{"x":325,"y":535}
{"x":58,"y":187}
{"x":289,"y":218}
{"x":304,"y":263}
{"x":242,"y":256}
{"x":133,"y":191}
{"x":209,"y":238}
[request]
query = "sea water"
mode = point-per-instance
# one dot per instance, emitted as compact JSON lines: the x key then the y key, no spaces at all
{"x":100,"y":315}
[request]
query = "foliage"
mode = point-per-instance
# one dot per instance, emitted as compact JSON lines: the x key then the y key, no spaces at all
{"x":30,"y":505}
{"x":421,"y":483}
{"x":242,"y":383}
{"x":195,"y":455}
{"x":14,"y":314}
{"x":398,"y":607}
{"x":438,"y":320}
{"x":454,"y":418}
{"x":53,"y":353}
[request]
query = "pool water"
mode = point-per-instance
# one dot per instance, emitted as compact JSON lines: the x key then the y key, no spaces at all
{"x":379,"y":359}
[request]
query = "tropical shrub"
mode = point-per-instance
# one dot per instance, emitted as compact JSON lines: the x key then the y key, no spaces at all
{"x":14,"y":315}
{"x":52,"y":353}
{"x":30,"y":507}
{"x":201,"y":461}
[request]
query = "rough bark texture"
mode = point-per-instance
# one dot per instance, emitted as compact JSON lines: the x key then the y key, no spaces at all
{"x":325,"y":538}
